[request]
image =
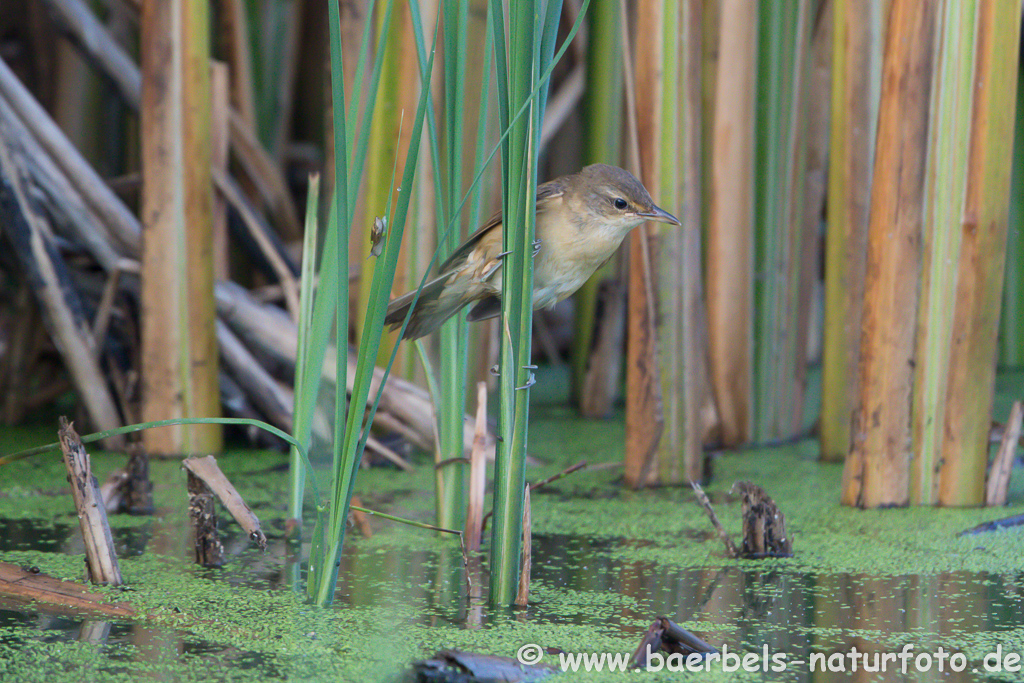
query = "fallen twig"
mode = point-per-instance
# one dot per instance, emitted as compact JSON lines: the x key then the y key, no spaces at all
{"x":702,"y":498}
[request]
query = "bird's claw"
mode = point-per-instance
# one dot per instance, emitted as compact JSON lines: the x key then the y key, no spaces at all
{"x":530,"y":381}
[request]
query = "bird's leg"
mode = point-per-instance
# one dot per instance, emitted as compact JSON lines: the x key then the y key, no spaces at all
{"x":536,"y":247}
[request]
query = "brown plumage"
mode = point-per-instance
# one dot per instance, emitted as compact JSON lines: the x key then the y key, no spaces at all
{"x":581,"y":221}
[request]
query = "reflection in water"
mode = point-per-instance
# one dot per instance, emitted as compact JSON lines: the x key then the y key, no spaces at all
{"x":743,"y":606}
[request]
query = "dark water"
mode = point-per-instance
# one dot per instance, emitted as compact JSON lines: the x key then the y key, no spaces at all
{"x":579,"y":584}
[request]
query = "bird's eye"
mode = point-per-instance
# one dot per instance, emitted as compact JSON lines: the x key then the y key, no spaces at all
{"x":620,"y":204}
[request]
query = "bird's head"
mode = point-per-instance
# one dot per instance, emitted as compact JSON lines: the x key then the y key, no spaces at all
{"x":615,"y":199}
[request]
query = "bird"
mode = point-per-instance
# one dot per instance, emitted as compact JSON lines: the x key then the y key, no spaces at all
{"x":582,"y":219}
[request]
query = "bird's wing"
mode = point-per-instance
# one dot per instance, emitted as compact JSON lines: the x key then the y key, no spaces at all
{"x":547,"y":191}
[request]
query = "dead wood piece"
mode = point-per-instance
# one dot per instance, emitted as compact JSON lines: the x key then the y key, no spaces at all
{"x":666,"y":635}
{"x":66,"y":206}
{"x":404,"y":407}
{"x":764,"y":525}
{"x":207,"y":470}
{"x":116,"y":216}
{"x":1003,"y":523}
{"x":97,"y":45}
{"x":273,"y":399}
{"x":201,"y":510}
{"x":32,"y":238}
{"x":730,"y":547}
{"x":263,"y":237}
{"x":92,"y":515}
{"x":998,"y":483}
{"x":453,"y":666}
{"x":50,"y":594}
{"x":561,"y":475}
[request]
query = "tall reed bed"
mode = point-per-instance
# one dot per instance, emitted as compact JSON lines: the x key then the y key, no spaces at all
{"x":331,"y":301}
{"x":937,"y":236}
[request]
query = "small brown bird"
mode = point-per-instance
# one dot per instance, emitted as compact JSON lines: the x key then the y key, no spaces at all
{"x":581,"y":221}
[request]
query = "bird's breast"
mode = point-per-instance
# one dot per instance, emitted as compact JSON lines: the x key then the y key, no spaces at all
{"x":566,"y":260}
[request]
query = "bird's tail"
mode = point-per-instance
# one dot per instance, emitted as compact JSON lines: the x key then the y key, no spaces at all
{"x":437,"y":302}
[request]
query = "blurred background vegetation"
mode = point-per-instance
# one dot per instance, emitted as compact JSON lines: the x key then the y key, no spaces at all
{"x":844,"y":172}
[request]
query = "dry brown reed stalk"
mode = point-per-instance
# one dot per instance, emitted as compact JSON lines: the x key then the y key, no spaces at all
{"x":730,"y":230}
{"x":877,"y":471}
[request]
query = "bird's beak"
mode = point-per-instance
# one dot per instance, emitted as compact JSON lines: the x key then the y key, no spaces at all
{"x":660,"y":215}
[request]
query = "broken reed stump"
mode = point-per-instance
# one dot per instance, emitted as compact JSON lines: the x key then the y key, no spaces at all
{"x":201,"y":510}
{"x":139,"y":494}
{"x":101,"y":561}
{"x":764,"y":525}
{"x":205,"y":480}
{"x":129,"y":489}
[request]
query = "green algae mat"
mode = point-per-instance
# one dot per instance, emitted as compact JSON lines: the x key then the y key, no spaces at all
{"x":897,"y":590}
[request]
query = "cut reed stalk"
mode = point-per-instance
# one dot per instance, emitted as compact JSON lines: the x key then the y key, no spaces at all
{"x":645,"y":421}
{"x":180,"y":377}
{"x":941,"y":237}
{"x":877,"y":470}
{"x":684,"y":420}
{"x":731,"y":220}
{"x":979,"y":280}
{"x":856,"y":64}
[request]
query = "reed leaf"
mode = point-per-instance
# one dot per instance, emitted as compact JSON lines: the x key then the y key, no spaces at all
{"x":350,"y":428}
{"x":302,"y":417}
